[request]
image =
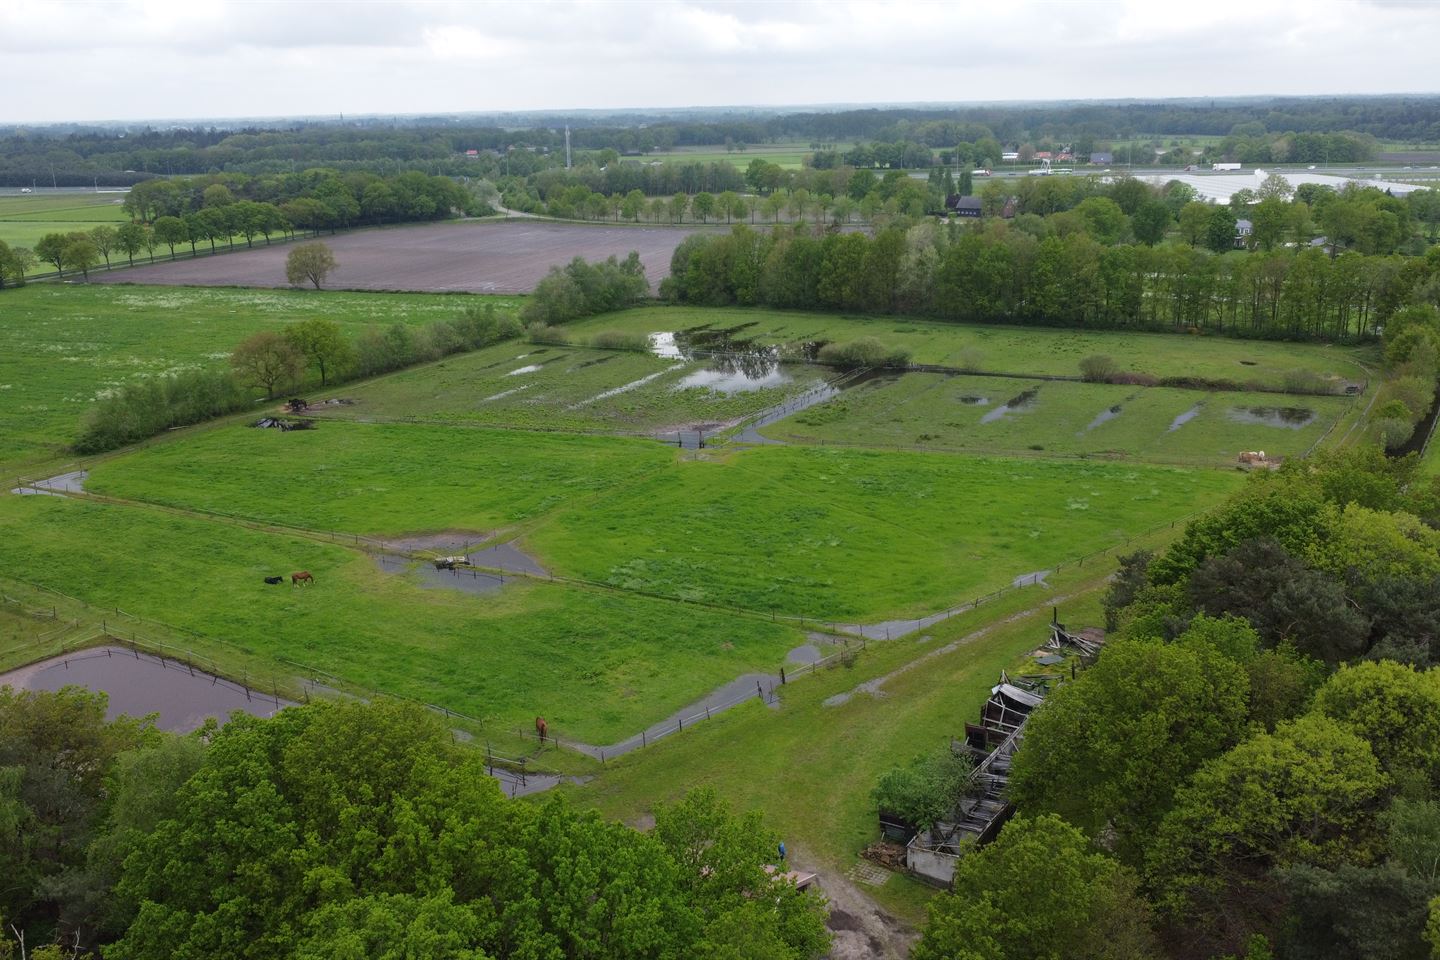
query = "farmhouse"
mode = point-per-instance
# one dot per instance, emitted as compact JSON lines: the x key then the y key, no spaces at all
{"x":1243,"y":229}
{"x":1102,"y":158}
{"x":963,"y":206}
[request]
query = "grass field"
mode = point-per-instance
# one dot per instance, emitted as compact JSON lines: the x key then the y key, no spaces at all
{"x":791,"y":156}
{"x":811,"y":768}
{"x":840,"y":535}
{"x":570,"y":388}
{"x":1011,"y":349}
{"x":25,"y":219}
{"x":966,"y":414}
{"x":598,"y":664}
{"x":381,"y":479}
{"x":61,"y":346}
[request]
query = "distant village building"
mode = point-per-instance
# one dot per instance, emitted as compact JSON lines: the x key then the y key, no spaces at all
{"x":1102,"y":158}
{"x":1243,"y":229}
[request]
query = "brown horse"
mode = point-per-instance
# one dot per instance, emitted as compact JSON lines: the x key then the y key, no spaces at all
{"x":542,"y":729}
{"x":302,"y":576}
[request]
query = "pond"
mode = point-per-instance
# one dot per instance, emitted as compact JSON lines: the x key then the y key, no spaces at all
{"x":1289,"y":418}
{"x":138,"y":684}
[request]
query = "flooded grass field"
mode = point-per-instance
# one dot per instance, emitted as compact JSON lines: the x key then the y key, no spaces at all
{"x":1012,"y":349}
{"x":965,"y":414}
{"x":695,"y":556}
{"x":561,"y":387}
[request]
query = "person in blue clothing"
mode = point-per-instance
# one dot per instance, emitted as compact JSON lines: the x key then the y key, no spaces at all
{"x":782,"y":851}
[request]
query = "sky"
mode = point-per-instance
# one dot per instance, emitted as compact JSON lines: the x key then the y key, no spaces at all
{"x":173,"y":59}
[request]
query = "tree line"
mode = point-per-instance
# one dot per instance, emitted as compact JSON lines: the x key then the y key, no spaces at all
{"x":1006,"y":273}
{"x":1252,"y":766}
{"x":341,"y":830}
{"x":77,"y":155}
{"x":314,"y":353}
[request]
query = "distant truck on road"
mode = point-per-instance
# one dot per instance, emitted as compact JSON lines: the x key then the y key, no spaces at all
{"x":1225,"y":166}
{"x":26,"y":190}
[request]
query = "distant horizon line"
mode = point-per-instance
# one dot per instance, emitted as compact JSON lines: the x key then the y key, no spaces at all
{"x":754,"y":108}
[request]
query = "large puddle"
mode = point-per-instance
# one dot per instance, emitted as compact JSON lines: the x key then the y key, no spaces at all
{"x":1104,"y":416}
{"x":139,"y":684}
{"x":1021,"y":403}
{"x":735,"y":379}
{"x":505,"y":557}
{"x":1289,"y":418}
{"x":73,"y":482}
{"x":1185,"y":418}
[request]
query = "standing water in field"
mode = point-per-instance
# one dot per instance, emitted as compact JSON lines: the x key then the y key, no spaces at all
{"x":1185,"y":418}
{"x":1104,"y":416}
{"x":1020,"y":403}
{"x":1289,"y":418}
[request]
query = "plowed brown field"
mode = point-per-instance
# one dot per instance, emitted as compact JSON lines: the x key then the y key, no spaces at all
{"x":493,"y":257}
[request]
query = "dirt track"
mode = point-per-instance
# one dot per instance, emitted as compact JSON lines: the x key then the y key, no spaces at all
{"x":481,"y":257}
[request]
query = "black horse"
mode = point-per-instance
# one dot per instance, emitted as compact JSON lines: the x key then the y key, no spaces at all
{"x":274,"y":580}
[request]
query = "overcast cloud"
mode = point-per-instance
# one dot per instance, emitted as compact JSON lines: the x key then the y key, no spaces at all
{"x":138,"y":59}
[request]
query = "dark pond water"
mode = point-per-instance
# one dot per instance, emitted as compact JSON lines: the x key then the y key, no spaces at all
{"x":1184,"y":418}
{"x":140,"y":684}
{"x":1017,"y":404}
{"x":1290,"y":418}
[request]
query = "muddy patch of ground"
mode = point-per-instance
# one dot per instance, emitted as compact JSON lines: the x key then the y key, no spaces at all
{"x":484,"y":257}
{"x":446,"y":542}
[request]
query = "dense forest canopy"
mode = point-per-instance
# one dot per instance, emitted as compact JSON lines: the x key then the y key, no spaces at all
{"x":350,"y":830}
{"x":1250,"y":768}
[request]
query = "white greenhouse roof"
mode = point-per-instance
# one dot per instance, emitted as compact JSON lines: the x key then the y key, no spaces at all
{"x":1220,"y":187}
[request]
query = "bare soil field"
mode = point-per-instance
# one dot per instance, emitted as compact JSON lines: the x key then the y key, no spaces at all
{"x":485,"y":257}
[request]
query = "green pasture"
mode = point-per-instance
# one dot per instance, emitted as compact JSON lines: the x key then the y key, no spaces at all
{"x":790,"y":155}
{"x":566,"y":388}
{"x":598,"y":664}
{"x":25,"y":219}
{"x":62,"y":346}
{"x":1011,"y":349}
{"x":859,"y":536}
{"x":382,"y":480}
{"x":827,"y":533}
{"x":944,"y":412}
{"x":810,"y":767}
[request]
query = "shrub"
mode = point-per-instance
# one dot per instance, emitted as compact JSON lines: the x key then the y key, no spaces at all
{"x":1132,"y":379}
{"x":972,"y":359}
{"x":544,"y":333}
{"x":140,"y":410}
{"x":1098,"y":368}
{"x":621,"y":340}
{"x":582,"y":289}
{"x":1304,"y":381}
{"x":865,"y":352}
{"x":924,"y":790}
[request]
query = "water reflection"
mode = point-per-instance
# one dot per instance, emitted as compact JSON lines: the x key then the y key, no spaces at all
{"x":1019,"y":403}
{"x":1184,"y":418}
{"x":1289,"y":418}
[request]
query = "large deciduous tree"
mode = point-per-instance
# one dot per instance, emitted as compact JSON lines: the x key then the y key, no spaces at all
{"x":322,"y":344}
{"x":268,"y":360}
{"x":309,"y":263}
{"x":1039,"y":892}
{"x":1110,"y":750}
